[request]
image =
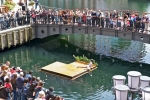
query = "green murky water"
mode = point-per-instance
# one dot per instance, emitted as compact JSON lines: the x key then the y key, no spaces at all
{"x":114,"y":56}
{"x":134,"y":5}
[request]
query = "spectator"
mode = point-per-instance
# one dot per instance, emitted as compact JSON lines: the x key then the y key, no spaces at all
{"x":24,"y":89}
{"x":3,"y":74}
{"x":30,"y":91}
{"x":3,"y":91}
{"x":28,"y":17}
{"x":50,"y":93}
{"x":36,"y":3}
{"x":33,"y":80}
{"x":146,"y":24}
{"x":13,"y":82}
{"x":33,"y":15}
{"x":19,"y":85}
{"x":59,"y":98}
{"x":38,"y":89}
{"x":29,"y":75}
{"x":41,"y":96}
{"x":8,"y":85}
{"x":13,"y":70}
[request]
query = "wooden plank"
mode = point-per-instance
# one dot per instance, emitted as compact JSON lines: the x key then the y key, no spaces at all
{"x":69,"y":71}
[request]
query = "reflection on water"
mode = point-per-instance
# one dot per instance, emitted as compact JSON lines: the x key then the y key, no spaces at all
{"x":111,"y":47}
{"x":141,"y":5}
{"x":95,"y":87}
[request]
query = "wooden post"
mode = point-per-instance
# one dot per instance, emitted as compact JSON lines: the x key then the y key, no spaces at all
{"x":14,"y":38}
{"x":30,"y":34}
{"x":7,"y":40}
{"x":1,"y":42}
{"x":25,"y":35}
{"x":20,"y":40}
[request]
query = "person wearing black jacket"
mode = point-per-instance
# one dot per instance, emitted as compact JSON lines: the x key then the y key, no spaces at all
{"x":17,"y":16}
{"x":94,"y":17}
{"x":30,"y":91}
{"x":28,"y":16}
{"x":49,"y":94}
{"x":3,"y":92}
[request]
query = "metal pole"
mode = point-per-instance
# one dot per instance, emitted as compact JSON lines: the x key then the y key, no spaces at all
{"x":132,"y":95}
{"x":26,"y":5}
{"x":121,"y":13}
{"x":47,"y":18}
{"x":72,"y":19}
{"x":86,"y":20}
{"x":133,"y":27}
{"x":100,"y":21}
{"x":117,"y":25}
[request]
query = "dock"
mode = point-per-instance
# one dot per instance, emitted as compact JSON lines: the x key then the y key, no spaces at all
{"x":70,"y":71}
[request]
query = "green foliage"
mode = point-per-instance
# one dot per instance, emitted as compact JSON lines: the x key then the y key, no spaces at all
{"x":31,"y":3}
{"x":84,"y":59}
{"x":76,"y":57}
{"x":10,"y":4}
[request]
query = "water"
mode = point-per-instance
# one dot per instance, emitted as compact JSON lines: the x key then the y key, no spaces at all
{"x":134,"y":5}
{"x":112,"y":55}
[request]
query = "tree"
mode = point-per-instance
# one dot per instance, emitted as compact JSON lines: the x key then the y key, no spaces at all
{"x":10,"y":4}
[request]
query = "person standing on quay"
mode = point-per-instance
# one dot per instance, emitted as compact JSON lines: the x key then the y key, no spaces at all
{"x":36,"y":3}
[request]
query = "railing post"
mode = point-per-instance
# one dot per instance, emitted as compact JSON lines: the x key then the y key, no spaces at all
{"x":86,"y":20}
{"x":47,"y":19}
{"x":117,"y":25}
{"x":100,"y":21}
{"x":57,"y":17}
{"x":35,"y":19}
{"x":133,"y":27}
{"x":124,"y":27}
{"x":121,"y":13}
{"x":72,"y":19}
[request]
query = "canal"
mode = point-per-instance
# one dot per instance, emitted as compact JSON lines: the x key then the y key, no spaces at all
{"x":114,"y":56}
{"x":134,"y":5}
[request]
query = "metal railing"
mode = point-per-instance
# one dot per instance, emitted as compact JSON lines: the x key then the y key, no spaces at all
{"x":89,"y":21}
{"x":47,"y":7}
{"x":78,"y":20}
{"x":13,"y":23}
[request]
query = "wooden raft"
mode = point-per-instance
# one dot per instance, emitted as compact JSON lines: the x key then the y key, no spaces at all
{"x":69,"y":71}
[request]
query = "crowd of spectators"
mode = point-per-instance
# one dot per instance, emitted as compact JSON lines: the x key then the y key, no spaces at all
{"x":16,"y":84}
{"x":93,"y":18}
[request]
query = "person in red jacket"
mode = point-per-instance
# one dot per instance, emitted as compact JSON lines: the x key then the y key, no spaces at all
{"x":84,"y":18}
{"x":33,"y":15}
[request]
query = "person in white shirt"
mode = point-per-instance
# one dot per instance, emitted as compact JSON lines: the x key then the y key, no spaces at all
{"x":89,"y":66}
{"x":146,"y":20}
{"x":89,"y":18}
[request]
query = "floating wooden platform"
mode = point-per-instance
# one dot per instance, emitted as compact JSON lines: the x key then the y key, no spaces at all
{"x":69,"y":71}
